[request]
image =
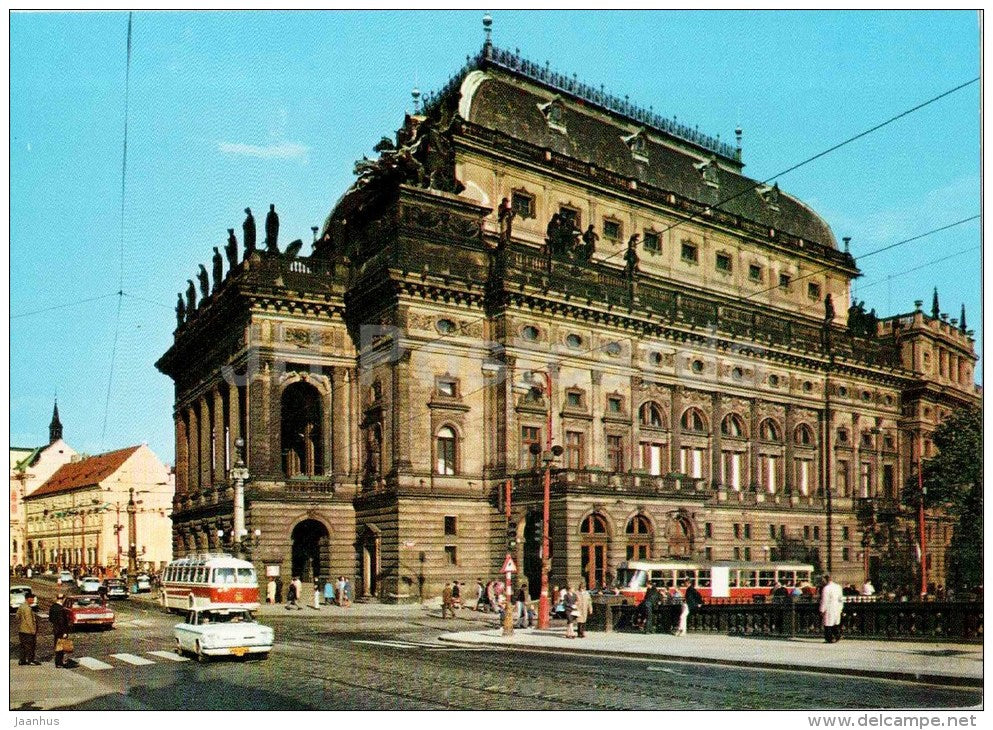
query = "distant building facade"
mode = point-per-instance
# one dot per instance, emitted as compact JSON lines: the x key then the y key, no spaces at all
{"x":79,"y":518}
{"x":715,"y":395}
{"x":29,"y":468}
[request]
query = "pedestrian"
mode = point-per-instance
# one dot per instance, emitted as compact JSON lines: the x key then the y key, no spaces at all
{"x":867,"y":588}
{"x":270,"y":591}
{"x":328,"y":592}
{"x":571,"y":612}
{"x":693,"y":600}
{"x":27,"y":630}
{"x":58,"y":615}
{"x":832,"y":603}
{"x":584,"y":605}
{"x":291,"y":595}
{"x":676,"y":599}
{"x":648,"y":607}
{"x":317,"y":594}
{"x":481,"y":600}
{"x":279,"y":589}
{"x":491,"y":595}
{"x":456,"y":595}
{"x":521,"y":607}
{"x":341,"y":590}
{"x":348,"y":592}
{"x":446,"y":601}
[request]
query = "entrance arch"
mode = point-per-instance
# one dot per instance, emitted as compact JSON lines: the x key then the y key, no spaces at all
{"x":594,"y":541}
{"x":310,"y":550}
{"x":300,"y":430}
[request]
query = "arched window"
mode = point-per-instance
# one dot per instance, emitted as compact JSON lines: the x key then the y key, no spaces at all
{"x":445,"y":451}
{"x":732,"y":426}
{"x":650,"y":415}
{"x":804,"y":435}
{"x":694,"y":421}
{"x":639,"y":537}
{"x":769,"y":431}
{"x":594,"y":549}
{"x":302,"y":441}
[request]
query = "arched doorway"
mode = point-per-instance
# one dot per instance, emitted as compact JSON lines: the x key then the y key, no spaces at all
{"x":300,"y":430}
{"x":594,"y":549}
{"x":370,"y":560}
{"x":679,"y":536}
{"x":309,"y":556}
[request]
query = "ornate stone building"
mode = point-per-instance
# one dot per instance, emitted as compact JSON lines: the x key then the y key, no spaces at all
{"x":711,"y":401}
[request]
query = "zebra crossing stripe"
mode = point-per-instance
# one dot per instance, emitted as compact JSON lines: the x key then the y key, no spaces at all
{"x":94,"y":664}
{"x":170,"y":655}
{"x":399,"y":644}
{"x":138,"y":661}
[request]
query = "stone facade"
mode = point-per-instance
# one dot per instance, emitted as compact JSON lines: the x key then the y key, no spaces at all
{"x":712,"y":402}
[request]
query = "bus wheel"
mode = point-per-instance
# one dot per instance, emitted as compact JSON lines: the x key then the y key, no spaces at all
{"x":201,"y":657}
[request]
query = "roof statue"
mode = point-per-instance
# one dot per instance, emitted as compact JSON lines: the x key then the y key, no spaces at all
{"x":180,"y":310}
{"x":248,"y":233}
{"x":271,"y":230}
{"x":191,"y":297}
{"x":218,"y":262}
{"x":231,"y":250}
{"x":204,"y":282}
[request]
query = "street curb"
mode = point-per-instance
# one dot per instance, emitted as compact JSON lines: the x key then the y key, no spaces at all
{"x":941,"y":679}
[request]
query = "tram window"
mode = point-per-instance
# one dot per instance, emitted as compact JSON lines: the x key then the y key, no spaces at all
{"x":734,"y":580}
{"x":767,"y":578}
{"x":703,"y":579}
{"x":803,"y":575}
{"x":224,"y":575}
{"x":184,"y":575}
{"x":687,"y":575}
{"x":246,"y":575}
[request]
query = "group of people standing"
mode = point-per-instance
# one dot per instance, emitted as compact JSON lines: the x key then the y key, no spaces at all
{"x":652,"y":605}
{"x":326,"y":592}
{"x":27,"y":630}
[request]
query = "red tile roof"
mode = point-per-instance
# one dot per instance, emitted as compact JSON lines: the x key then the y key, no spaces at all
{"x":85,"y":473}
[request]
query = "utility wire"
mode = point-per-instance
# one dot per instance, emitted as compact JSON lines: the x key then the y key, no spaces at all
{"x":904,"y":272}
{"x":147,"y":301}
{"x":120,"y":280}
{"x":798,"y":165}
{"x":63,"y":306}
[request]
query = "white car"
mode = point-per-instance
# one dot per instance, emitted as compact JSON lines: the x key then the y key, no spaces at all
{"x":18,"y":595}
{"x":89,"y":584}
{"x":218,"y":631}
{"x":65,"y":577}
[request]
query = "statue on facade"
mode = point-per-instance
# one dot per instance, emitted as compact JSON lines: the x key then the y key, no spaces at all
{"x":218,"y":262}
{"x":590,"y":238}
{"x":231,"y":250}
{"x":552,"y":232}
{"x":293,"y":249}
{"x":828,"y":309}
{"x":505,"y":216}
{"x":631,"y":257}
{"x":271,"y":230}
{"x":248,"y":233}
{"x":191,"y":297}
{"x":204,"y":282}
{"x":180,"y":310}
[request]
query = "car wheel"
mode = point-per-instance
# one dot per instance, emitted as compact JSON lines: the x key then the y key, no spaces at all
{"x":179,"y":648}
{"x":201,"y":657}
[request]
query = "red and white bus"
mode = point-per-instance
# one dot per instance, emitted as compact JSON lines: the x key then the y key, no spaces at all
{"x":733,"y":579}
{"x":208,"y":580}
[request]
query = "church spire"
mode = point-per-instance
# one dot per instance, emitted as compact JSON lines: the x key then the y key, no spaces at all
{"x":55,"y":427}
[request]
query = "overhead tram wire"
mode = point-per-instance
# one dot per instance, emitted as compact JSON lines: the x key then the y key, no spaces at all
{"x":63,"y":306}
{"x":798,"y":165}
{"x":120,"y":280}
{"x":904,"y":272}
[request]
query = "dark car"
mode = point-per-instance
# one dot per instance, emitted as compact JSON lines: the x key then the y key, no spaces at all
{"x":115,"y":588}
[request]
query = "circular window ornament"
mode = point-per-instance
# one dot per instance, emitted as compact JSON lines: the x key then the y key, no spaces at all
{"x":842,"y":391}
{"x":737,"y":373}
{"x":774,"y":380}
{"x":866,"y":395}
{"x":697,"y":366}
{"x":445,"y":326}
{"x":530,"y":333}
{"x":613,"y":349}
{"x":888,"y":400}
{"x":808,"y":386}
{"x":574,"y":341}
{"x":656,"y":358}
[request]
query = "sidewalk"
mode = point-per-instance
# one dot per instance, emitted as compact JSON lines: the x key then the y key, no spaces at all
{"x":940,"y":663}
{"x":48,"y":688}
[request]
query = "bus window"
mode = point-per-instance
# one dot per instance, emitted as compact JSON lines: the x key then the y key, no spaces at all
{"x":703,"y":579}
{"x":246,"y":576}
{"x":767,"y":578}
{"x":184,"y":575}
{"x":224,"y":575}
{"x":201,"y":575}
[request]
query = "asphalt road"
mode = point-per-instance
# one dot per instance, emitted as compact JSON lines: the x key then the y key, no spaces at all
{"x":350,"y":663}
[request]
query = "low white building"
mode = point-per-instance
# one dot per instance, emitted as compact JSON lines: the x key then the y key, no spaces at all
{"x":91,"y":512}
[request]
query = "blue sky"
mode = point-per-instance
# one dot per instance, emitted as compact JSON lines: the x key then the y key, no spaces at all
{"x":233,"y":109}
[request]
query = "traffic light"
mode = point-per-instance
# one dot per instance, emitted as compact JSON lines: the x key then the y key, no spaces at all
{"x":511,"y":535}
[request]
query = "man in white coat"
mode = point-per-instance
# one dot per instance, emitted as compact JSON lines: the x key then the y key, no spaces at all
{"x":832,"y":602}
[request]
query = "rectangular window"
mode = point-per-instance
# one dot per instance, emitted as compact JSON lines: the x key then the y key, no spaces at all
{"x":450,"y":524}
{"x":615,"y":453}
{"x":817,"y":532}
{"x":806,"y":532}
{"x":748,"y":553}
{"x":611,"y":229}
{"x":691,"y":462}
{"x":737,"y":530}
{"x":652,"y":241}
{"x":733,"y":462}
{"x":689,"y":253}
{"x":447,"y":387}
{"x":845,"y":533}
{"x":748,"y":531}
{"x":784,"y":281}
{"x":529,"y":435}
{"x":614,"y":405}
{"x":451,"y":556}
{"x":813,"y":290}
{"x":846,"y":554}
{"x":708,"y":529}
{"x":571,"y":216}
{"x":724,"y":263}
{"x":523,"y":205}
{"x":888,"y":481}
{"x":708,"y":554}
{"x":804,"y":472}
{"x":772,"y":532}
{"x":865,"y":479}
{"x":737,"y":553}
{"x":574,"y":399}
{"x":843,"y":487}
{"x":755,"y":272}
{"x":769,"y":472}
{"x":651,"y":457}
{"x":574,"y":450}
{"x":782,"y":532}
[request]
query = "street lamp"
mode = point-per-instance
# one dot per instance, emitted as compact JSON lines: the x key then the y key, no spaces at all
{"x":549,"y":455}
{"x":239,"y":474}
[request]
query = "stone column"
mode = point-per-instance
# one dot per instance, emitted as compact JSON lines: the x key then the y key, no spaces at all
{"x":220,"y":443}
{"x":182,"y":456}
{"x":716,"y":418}
{"x":789,"y":423}
{"x":204,"y":421}
{"x":275,"y":426}
{"x":339,"y":421}
{"x":675,"y":414}
{"x":258,"y":422}
{"x":193,"y":448}
{"x":634,"y":395}
{"x":753,"y":452}
{"x":234,"y":418}
{"x":598,"y":436}
{"x":402,"y":418}
{"x":328,"y":428}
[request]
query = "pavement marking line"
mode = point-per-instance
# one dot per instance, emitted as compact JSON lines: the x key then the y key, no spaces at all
{"x":94,"y":664}
{"x":138,"y":661}
{"x":170,"y":655}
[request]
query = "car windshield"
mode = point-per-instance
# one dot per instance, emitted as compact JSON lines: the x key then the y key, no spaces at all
{"x":19,"y":589}
{"x":225,"y":617}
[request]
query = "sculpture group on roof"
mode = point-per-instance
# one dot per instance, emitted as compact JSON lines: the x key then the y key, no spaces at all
{"x":860,"y":322}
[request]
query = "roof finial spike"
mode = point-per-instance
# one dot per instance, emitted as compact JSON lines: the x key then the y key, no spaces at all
{"x":737,"y":138}
{"x":935,"y":307}
{"x":847,"y":240}
{"x":416,"y":95}
{"x":488,"y":29}
{"x":962,"y":326}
